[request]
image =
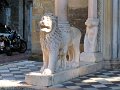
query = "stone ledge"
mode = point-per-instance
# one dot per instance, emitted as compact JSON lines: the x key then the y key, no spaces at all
{"x":112,"y":64}
{"x":39,"y":81}
{"x":91,"y":57}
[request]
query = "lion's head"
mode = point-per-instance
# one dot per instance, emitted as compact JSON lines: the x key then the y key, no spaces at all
{"x":47,"y":22}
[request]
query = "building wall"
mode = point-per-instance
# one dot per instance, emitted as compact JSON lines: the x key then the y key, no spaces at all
{"x":77,"y":16}
{"x":20,"y":28}
{"x":2,"y":20}
{"x":39,"y":8}
{"x":110,"y":34}
{"x":19,"y":18}
{"x":14,"y":13}
{"x":78,"y":13}
{"x":15,"y":6}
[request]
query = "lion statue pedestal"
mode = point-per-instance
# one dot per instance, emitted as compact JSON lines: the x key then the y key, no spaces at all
{"x":61,"y":52}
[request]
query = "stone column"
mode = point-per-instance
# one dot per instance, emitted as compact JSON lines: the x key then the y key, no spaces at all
{"x":115,"y":29}
{"x":90,"y":53}
{"x":61,"y":9}
{"x":61,"y":13}
{"x":63,"y":24}
{"x":29,"y":24}
{"x":20,"y":18}
{"x":107,"y":33}
{"x":107,"y":30}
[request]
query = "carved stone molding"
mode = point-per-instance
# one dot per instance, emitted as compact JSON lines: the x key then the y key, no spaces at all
{"x":91,"y":22}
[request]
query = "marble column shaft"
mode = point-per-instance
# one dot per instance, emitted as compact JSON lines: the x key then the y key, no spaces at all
{"x":92,"y":22}
{"x":61,"y":9}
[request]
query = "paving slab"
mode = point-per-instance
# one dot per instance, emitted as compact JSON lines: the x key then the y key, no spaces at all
{"x":12,"y":78}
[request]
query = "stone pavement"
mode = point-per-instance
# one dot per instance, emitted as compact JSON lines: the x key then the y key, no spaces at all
{"x":15,"y":56}
{"x":13,"y":75}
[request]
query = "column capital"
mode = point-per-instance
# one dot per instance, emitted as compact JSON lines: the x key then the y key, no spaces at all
{"x":91,"y":22}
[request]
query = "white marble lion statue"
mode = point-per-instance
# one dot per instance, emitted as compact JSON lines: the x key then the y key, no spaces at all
{"x":57,"y":41}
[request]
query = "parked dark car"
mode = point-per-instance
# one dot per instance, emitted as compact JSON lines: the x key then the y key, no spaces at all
{"x":10,"y":41}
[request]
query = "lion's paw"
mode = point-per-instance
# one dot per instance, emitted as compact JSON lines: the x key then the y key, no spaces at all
{"x":47,"y":72}
{"x":42,"y":69}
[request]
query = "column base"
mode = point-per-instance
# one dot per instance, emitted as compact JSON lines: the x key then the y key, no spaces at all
{"x":91,"y":57}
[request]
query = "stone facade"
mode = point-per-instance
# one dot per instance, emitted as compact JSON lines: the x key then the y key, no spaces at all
{"x":77,"y":14}
{"x":111,"y":31}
